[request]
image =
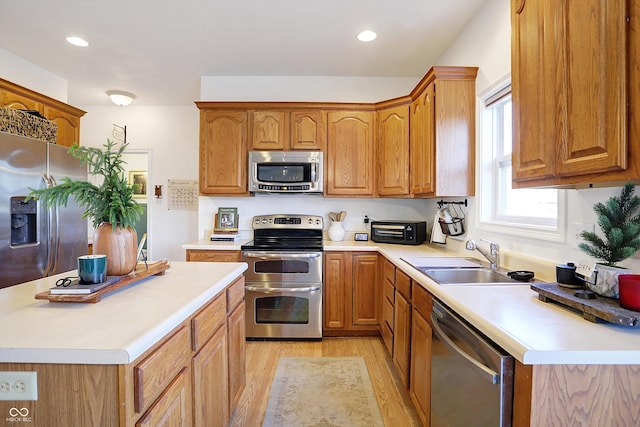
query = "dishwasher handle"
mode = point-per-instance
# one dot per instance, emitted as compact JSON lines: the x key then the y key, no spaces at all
{"x":486,"y":372}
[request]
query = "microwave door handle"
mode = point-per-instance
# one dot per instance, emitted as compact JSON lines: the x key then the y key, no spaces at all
{"x":313,"y":171}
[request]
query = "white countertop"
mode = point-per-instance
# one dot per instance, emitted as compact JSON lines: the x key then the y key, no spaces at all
{"x":116,"y":330}
{"x":534,"y":332}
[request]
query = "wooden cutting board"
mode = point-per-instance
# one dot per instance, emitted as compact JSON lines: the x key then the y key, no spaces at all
{"x":593,"y":310}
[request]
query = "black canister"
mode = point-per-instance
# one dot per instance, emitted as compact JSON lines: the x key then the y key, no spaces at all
{"x":566,"y":274}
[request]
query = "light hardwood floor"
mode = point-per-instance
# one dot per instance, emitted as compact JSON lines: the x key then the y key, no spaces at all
{"x":262,"y":360}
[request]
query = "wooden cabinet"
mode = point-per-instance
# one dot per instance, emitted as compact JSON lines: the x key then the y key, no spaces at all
{"x":402,"y":327}
{"x":350,"y":150}
{"x":204,"y":255}
{"x":223,"y":152}
{"x":442,"y":133}
{"x":308,"y":130}
{"x":393,"y":150}
{"x":288,"y":130}
{"x":575,"y":98}
{"x":236,"y":357}
{"x":351,"y":293}
{"x":173,"y":407}
{"x":269,"y":130}
{"x":65,"y":116}
{"x":420,"y":380}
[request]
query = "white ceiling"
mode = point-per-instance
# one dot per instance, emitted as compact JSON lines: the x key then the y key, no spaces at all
{"x":159,"y":49}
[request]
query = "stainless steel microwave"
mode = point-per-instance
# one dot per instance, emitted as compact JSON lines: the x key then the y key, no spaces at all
{"x":285,"y":171}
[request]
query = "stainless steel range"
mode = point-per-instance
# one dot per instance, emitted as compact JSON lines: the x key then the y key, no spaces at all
{"x":283,"y":283}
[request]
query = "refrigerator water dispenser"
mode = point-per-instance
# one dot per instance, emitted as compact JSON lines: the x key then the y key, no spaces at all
{"x":24,"y":220}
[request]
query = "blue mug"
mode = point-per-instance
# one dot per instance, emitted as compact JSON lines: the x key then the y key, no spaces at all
{"x":92,"y":269}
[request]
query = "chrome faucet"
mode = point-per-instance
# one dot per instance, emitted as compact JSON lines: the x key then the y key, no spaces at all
{"x":493,"y":256}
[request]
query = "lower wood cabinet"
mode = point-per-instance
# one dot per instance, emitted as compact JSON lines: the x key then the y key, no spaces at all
{"x":402,"y":338}
{"x":420,"y":380}
{"x":210,"y":379}
{"x":173,"y":407}
{"x":351,"y":293}
{"x":237,"y":367}
{"x":203,"y":255}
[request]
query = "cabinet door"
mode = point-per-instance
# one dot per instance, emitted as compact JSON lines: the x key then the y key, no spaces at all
{"x":308,"y":130}
{"x":223,"y":152}
{"x":422,"y":140}
{"x":420,"y":379}
{"x":336,"y":294}
{"x":393,"y":151}
{"x":9,"y":99}
{"x":237,"y":355}
{"x":173,"y":407}
{"x":532,"y":90}
{"x":269,"y":130}
{"x":68,"y":125}
{"x":210,"y":382}
{"x":349,"y":161}
{"x":591,"y":42}
{"x":366,"y":290}
{"x":402,"y":338}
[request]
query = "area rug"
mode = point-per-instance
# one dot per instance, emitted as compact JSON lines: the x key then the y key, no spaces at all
{"x":322,"y":392}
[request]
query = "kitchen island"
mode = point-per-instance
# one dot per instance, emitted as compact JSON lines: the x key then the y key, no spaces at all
{"x":139,"y":354}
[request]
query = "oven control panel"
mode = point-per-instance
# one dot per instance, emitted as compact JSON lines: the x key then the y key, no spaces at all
{"x":313,"y":222}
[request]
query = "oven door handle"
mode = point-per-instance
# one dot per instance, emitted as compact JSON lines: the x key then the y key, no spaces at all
{"x":281,"y":255}
{"x":264,"y":290}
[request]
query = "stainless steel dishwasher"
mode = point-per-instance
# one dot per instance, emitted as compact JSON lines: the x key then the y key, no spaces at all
{"x":471,"y":378}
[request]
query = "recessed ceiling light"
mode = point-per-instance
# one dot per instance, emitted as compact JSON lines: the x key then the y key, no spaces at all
{"x":367,"y":36}
{"x":77,"y":41}
{"x":120,"y":97}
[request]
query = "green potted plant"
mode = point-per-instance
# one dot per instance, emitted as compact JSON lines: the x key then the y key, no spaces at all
{"x":110,"y":205}
{"x":619,"y":222}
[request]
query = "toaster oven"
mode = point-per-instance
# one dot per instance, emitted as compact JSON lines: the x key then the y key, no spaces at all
{"x":399,"y":232}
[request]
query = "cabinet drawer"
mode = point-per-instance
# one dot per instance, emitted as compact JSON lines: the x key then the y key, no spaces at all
{"x":387,"y":313}
{"x":403,"y":284}
{"x":156,"y":371}
{"x":205,"y":323}
{"x":389,"y":291}
{"x":422,"y":300}
{"x":389,"y":271}
{"x":235,"y":294}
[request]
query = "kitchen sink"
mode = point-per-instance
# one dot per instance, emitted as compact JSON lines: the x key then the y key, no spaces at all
{"x":466,"y":276}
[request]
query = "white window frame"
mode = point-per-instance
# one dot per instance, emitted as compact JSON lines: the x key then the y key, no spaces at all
{"x":488,"y":176}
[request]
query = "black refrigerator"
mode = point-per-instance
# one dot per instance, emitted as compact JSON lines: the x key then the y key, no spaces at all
{"x":36,"y":241}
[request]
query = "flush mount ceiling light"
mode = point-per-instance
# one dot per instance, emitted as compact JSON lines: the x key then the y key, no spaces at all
{"x":77,"y":41}
{"x":367,"y":36}
{"x":121,"y":98}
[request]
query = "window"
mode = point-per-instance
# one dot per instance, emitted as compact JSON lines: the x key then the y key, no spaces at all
{"x":500,"y":204}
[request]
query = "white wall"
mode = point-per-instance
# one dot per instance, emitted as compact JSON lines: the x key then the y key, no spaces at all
{"x":486,"y":42}
{"x":24,"y":73}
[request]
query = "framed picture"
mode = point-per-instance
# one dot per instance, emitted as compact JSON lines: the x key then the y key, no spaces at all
{"x":226,"y":219}
{"x":139,"y":180}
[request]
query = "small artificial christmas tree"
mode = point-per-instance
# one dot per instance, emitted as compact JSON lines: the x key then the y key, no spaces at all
{"x":620,"y":225}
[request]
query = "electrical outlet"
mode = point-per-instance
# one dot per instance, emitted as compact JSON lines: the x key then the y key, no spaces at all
{"x":577,"y":229}
{"x":18,"y":386}
{"x":365,"y":217}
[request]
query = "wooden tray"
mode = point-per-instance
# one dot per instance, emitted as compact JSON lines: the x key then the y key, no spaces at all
{"x":141,"y":272}
{"x":593,"y":310}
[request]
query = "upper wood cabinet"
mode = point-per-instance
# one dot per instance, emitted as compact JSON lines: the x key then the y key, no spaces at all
{"x":393,"y":150}
{"x":442,"y":133}
{"x":575,"y":92}
{"x":65,"y":116}
{"x":349,"y":157}
{"x":223,"y":152}
{"x":288,"y":130}
{"x":269,"y":130}
{"x":308,"y":130}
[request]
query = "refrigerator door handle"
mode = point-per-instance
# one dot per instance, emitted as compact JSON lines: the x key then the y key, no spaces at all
{"x":52,"y":225}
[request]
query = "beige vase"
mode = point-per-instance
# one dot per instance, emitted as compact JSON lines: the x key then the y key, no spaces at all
{"x":119,"y":246}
